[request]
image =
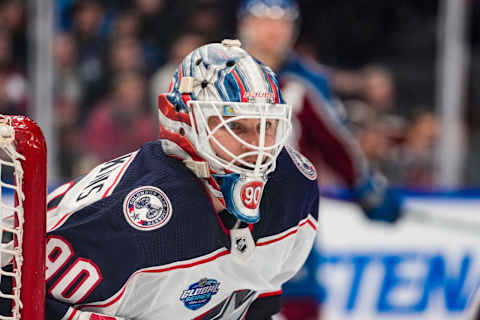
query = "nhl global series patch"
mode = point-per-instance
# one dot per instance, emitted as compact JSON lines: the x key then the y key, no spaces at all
{"x":199,"y":294}
{"x":147,"y":208}
{"x":302,"y":163}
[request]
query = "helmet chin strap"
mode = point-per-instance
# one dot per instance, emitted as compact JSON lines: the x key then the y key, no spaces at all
{"x":242,"y":195}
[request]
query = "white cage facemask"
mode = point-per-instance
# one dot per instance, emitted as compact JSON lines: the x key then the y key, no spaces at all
{"x":262,"y":151}
{"x":242,"y":167}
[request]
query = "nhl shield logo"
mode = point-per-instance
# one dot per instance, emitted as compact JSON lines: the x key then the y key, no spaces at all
{"x":147,"y":208}
{"x":302,"y":163}
{"x":241,"y":244}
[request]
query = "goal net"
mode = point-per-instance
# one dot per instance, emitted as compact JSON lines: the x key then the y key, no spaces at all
{"x":22,"y":218}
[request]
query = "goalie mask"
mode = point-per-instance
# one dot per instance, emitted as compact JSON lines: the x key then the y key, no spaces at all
{"x":225,"y":118}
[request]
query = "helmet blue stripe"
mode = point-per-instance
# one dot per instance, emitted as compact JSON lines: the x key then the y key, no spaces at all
{"x":221,"y":91}
{"x":233,"y":89}
{"x":192,"y":63}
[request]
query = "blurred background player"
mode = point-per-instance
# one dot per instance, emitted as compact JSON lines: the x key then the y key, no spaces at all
{"x":268,"y":29}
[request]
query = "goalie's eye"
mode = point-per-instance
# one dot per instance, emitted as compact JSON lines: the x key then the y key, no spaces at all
{"x":238,"y":127}
{"x":268,"y":125}
{"x":234,"y":126}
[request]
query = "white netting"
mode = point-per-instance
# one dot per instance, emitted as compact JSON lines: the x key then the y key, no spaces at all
{"x":11,"y":215}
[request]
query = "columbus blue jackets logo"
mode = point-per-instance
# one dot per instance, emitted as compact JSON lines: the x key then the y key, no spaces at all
{"x":147,"y":208}
{"x":302,"y":163}
{"x":199,"y":294}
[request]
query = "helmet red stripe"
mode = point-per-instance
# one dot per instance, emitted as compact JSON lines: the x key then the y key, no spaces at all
{"x":181,"y":141}
{"x":167,"y":108}
{"x":240,"y":84}
{"x":274,"y":87}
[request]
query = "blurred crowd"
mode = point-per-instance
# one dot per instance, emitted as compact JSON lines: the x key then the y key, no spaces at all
{"x":113,"y":58}
{"x":399,"y":143}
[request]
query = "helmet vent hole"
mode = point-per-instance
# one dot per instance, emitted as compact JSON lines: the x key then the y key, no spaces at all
{"x":198,"y":62}
{"x":181,"y":132}
{"x":230,"y":63}
{"x":204,"y":84}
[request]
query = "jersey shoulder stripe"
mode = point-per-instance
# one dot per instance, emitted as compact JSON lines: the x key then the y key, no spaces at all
{"x":82,"y":192}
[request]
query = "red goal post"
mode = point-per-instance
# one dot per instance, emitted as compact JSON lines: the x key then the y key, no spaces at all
{"x":23,"y":188}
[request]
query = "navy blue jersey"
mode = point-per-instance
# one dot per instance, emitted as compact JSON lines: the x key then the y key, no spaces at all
{"x":138,"y":238}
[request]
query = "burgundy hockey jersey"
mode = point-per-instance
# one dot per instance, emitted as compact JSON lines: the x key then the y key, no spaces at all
{"x":318,"y":131}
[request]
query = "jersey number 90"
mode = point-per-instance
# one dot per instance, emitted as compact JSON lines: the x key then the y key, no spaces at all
{"x":76,"y":282}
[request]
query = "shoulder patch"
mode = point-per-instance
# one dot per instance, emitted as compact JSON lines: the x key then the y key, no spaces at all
{"x":147,"y":208}
{"x":302,"y":163}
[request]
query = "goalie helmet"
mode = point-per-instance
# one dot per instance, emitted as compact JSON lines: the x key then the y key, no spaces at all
{"x":224,"y":81}
{"x":273,"y":9}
